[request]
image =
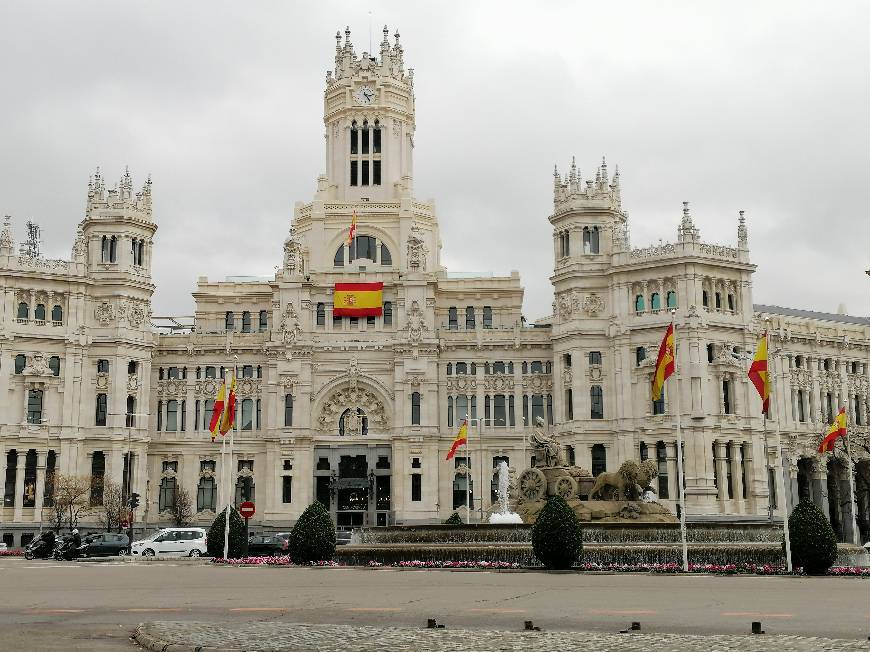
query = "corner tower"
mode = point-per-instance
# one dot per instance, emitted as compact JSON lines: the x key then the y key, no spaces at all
{"x":368,"y":113}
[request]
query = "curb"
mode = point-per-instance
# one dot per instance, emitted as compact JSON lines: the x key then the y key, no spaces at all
{"x":149,"y":642}
{"x":126,"y":559}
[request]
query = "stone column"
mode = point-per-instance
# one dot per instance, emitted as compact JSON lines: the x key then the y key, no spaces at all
{"x":737,"y":474}
{"x":19,"y":485}
{"x":116,"y":466}
{"x":41,"y":457}
{"x":2,"y":476}
{"x":721,"y":473}
{"x":819,"y":484}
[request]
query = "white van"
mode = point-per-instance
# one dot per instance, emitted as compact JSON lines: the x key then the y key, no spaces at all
{"x":187,"y":541}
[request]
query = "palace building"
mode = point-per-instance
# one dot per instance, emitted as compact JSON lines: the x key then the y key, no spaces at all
{"x":359,"y":412}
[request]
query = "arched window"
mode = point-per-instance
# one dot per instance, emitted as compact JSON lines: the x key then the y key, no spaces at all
{"x":718,"y":296}
{"x":354,"y":144}
{"x":449,"y":411}
{"x":595,"y":240}
{"x":166,"y":498}
{"x":352,"y":422}
{"x":54,"y":365}
{"x":671,"y":299}
{"x":587,"y":240}
{"x":133,"y":248}
{"x":473,"y":369}
{"x":321,"y":314}
{"x":376,"y":138}
{"x":247,"y":414}
{"x":131,"y":411}
{"x":113,"y":249}
{"x":104,"y":250}
{"x":449,"y":368}
{"x":20,"y":363}
{"x":39,"y":312}
{"x":57,"y":314}
{"x":338,"y":261}
{"x":599,"y":459}
{"x":461,"y":368}
{"x":365,"y":138}
{"x":288,"y":410}
{"x":655,"y":301}
{"x":246,"y":322}
{"x":102,"y":409}
{"x":596,"y":397}
{"x":731,"y":302}
{"x":141,"y":253}
{"x":638,"y":303}
{"x":386,"y":258}
{"x":264,"y":320}
{"x":206,"y":492}
{"x":415,"y":408}
{"x":800,"y":406}
{"x":705,"y":299}
{"x":23,"y":311}
{"x":388,"y":313}
{"x":229,"y":320}
{"x":469,"y":317}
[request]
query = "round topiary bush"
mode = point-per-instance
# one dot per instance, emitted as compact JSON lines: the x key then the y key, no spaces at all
{"x":556,"y":535}
{"x":313,"y":536}
{"x":813,"y":542}
{"x":215,"y":539}
{"x":454,"y":519}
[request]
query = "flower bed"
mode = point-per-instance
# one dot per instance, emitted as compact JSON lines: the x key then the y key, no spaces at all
{"x":16,"y":552}
{"x":448,"y":564}
{"x":283,"y":560}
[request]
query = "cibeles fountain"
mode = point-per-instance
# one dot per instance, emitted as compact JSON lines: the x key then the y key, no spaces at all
{"x":504,"y":515}
{"x":622,"y":521}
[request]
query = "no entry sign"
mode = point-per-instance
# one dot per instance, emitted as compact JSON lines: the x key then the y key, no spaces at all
{"x":246,"y":509}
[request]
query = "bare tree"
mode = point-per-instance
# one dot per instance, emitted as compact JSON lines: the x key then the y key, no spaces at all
{"x":71,"y":499}
{"x":111,"y":512}
{"x":182,"y":506}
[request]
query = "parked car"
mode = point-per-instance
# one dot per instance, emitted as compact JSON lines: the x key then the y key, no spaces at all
{"x":2,"y":545}
{"x":104,"y":544}
{"x":268,"y":545}
{"x":186,"y":541}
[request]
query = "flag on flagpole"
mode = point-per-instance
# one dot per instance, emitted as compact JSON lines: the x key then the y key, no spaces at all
{"x":224,"y":413}
{"x":664,"y":363}
{"x":352,"y":230}
{"x":759,"y":375}
{"x":836,"y":430}
{"x":461,"y":439}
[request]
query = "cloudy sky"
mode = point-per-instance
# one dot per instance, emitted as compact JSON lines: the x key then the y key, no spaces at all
{"x":729,"y":105}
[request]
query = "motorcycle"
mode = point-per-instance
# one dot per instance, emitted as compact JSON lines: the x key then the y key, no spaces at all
{"x":40,"y":548}
{"x":66,"y":549}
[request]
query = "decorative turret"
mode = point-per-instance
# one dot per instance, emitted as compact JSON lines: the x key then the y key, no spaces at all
{"x":687,"y":231}
{"x":599,"y":191}
{"x":102,"y":202}
{"x":7,"y":244}
{"x":347,"y":64}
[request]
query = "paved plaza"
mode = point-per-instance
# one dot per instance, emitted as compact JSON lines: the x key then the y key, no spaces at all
{"x":98,"y":605}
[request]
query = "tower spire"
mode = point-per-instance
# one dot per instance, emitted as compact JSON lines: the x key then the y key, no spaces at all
{"x":742,"y":232}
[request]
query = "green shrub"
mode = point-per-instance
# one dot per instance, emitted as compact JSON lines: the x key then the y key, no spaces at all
{"x":813,"y":542}
{"x":454,"y":519}
{"x":556,"y":535}
{"x":313,"y":536}
{"x":215,"y":539}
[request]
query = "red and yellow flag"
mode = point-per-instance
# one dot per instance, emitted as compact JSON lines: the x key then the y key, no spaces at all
{"x":835,"y":431}
{"x":461,"y":439}
{"x":358,"y":299}
{"x":759,"y":375}
{"x":352,"y":230}
{"x":224,"y":414}
{"x":664,"y":363}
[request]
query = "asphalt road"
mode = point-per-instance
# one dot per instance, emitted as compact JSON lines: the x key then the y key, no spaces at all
{"x":47,"y":604}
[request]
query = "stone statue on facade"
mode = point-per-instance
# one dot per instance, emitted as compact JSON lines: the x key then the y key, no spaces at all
{"x":548,"y":452}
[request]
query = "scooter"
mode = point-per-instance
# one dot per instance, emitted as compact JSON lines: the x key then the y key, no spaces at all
{"x":40,"y":548}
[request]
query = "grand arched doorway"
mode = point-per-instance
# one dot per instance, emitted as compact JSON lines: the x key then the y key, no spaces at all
{"x":355,"y":483}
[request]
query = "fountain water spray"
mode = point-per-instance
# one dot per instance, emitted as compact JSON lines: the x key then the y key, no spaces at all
{"x":504,"y":515}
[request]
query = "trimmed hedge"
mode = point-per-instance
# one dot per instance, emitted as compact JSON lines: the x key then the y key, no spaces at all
{"x":454,"y":519}
{"x":313,"y":537}
{"x":813,"y":542}
{"x":215,"y":539}
{"x":557,"y":538}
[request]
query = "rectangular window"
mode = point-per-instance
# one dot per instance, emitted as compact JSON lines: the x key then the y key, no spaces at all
{"x":469,"y":317}
{"x":662,"y":459}
{"x":599,"y":459}
{"x":487,"y":316}
{"x":499,"y":412}
{"x":596,"y":395}
{"x":365,"y":174}
{"x":566,"y":360}
{"x":34,"y":406}
{"x":376,"y":172}
{"x":247,"y":414}
{"x":370,"y":322}
{"x":365,"y":139}
{"x":452,"y":320}
{"x":183,"y":416}
{"x":336,"y":323}
{"x":102,"y":409}
{"x":171,"y":416}
{"x":771,"y":488}
{"x":102,"y":366}
{"x":259,"y":414}
{"x":160,"y":415}
{"x":376,"y":140}
{"x":321,"y":314}
{"x":512,"y":421}
{"x":353,"y":173}
{"x":388,"y":313}
{"x":288,"y":410}
{"x":726,"y":396}
{"x":658,"y":407}
{"x":537,"y":408}
{"x":595,"y":358}
{"x":415,"y":408}
{"x":210,"y":372}
{"x":569,"y":404}
{"x":416,"y":487}
{"x":287,"y":489}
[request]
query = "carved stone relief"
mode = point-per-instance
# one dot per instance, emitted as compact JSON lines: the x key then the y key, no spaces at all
{"x":105,"y":313}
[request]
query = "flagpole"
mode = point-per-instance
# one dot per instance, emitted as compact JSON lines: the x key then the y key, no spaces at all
{"x":229,"y":494}
{"x":852,"y":500}
{"x":780,"y":474}
{"x":467,"y":477}
{"x":680,"y":476}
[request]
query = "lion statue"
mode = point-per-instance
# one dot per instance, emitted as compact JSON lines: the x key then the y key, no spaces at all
{"x":628,"y":483}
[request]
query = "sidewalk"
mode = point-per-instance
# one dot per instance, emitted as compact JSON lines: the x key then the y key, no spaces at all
{"x":206,"y":637}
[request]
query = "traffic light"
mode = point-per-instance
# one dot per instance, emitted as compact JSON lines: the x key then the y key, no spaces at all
{"x":134,"y":500}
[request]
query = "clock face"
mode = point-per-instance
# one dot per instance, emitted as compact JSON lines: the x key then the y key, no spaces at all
{"x":364,"y":95}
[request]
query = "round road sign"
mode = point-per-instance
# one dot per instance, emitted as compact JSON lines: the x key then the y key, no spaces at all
{"x":246,"y":509}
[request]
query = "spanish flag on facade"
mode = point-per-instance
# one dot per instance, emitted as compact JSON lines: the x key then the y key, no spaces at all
{"x":352,"y":230}
{"x":664,"y":363}
{"x":759,"y":375}
{"x":224,"y":414}
{"x":358,"y":299}
{"x":461,"y":439}
{"x":835,"y":431}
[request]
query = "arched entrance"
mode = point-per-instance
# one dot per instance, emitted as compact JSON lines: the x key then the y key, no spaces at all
{"x":355,"y":483}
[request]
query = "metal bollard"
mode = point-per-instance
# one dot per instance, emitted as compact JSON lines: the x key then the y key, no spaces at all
{"x":430,"y":623}
{"x":530,"y":626}
{"x":635,"y":626}
{"x":756,"y":627}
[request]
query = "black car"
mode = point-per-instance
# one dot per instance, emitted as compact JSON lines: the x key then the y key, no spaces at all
{"x":104,"y":544}
{"x":268,"y":545}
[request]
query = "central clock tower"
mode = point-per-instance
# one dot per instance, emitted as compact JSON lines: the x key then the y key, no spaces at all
{"x":368,"y":112}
